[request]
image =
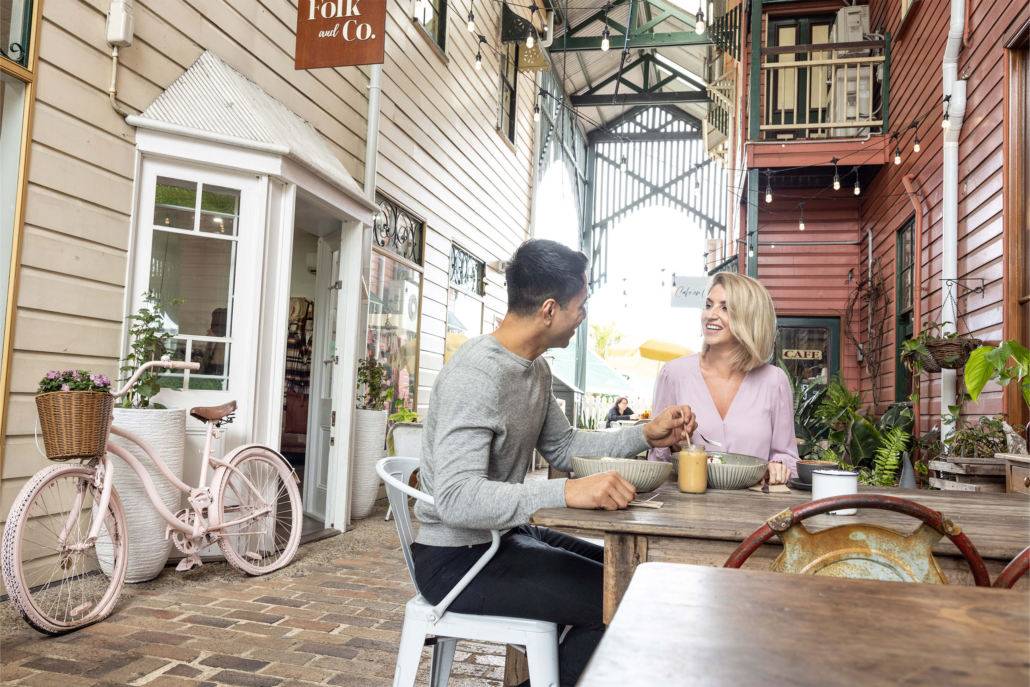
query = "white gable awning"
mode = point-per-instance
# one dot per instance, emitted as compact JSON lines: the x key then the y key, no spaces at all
{"x":214,"y":102}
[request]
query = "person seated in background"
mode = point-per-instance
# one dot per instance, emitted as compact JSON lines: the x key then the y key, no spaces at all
{"x":620,"y":411}
{"x":491,"y":406}
{"x":740,"y":400}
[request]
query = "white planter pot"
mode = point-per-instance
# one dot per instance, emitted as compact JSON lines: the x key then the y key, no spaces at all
{"x":165,"y":431}
{"x":369,"y":438}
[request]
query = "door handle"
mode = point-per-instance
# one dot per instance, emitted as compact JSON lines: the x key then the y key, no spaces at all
{"x":336,"y":286}
{"x":333,"y":423}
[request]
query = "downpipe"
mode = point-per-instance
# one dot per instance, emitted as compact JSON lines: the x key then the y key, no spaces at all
{"x":955,"y":107}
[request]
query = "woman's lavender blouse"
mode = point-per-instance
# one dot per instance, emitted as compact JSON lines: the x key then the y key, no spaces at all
{"x":760,"y":421}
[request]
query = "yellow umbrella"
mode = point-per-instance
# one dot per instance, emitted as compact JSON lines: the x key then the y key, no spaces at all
{"x":452,"y":343}
{"x":663,"y":350}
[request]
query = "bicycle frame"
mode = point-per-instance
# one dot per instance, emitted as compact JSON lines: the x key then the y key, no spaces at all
{"x":201,"y":526}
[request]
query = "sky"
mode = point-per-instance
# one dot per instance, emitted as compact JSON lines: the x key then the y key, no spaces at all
{"x":639,"y":249}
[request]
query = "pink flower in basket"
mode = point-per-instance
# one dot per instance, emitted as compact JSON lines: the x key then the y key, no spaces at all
{"x":65,"y":387}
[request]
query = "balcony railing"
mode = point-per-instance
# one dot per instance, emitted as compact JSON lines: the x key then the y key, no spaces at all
{"x":826,"y":90}
{"x":727,"y":265}
{"x":717,"y":122}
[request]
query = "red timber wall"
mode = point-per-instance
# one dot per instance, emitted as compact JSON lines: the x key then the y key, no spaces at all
{"x":916,"y":88}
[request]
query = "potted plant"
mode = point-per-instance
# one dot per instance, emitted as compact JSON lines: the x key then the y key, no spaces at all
{"x":988,"y":364}
{"x":74,"y":413}
{"x":162,"y":428}
{"x":934,"y":349}
{"x":369,"y":435}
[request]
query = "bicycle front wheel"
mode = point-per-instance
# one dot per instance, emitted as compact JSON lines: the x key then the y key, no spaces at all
{"x":260,"y":500}
{"x":56,"y":579}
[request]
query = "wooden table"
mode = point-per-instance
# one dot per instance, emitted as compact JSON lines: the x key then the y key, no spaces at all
{"x":704,"y":529}
{"x":710,"y":627}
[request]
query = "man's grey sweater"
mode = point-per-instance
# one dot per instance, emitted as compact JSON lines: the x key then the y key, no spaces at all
{"x":489,"y":409}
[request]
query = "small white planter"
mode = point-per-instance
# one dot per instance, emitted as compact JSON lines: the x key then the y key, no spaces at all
{"x":165,"y":431}
{"x":369,"y":438}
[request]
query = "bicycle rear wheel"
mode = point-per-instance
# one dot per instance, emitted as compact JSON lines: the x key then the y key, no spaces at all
{"x":61,"y":585}
{"x":261,"y":481}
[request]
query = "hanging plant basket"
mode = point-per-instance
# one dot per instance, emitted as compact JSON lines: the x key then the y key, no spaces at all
{"x":74,"y":423}
{"x":948,"y":354}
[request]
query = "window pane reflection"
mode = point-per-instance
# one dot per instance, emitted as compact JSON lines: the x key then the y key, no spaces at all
{"x":199,"y":271}
{"x":393,"y":317}
{"x":12,"y":103}
{"x":464,"y":320}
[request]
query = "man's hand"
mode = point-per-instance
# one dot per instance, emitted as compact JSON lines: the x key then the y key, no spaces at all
{"x":671,"y":428}
{"x":778,"y":473}
{"x":608,"y":490}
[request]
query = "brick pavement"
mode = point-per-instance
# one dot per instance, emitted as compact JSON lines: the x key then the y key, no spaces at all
{"x":328,"y":619}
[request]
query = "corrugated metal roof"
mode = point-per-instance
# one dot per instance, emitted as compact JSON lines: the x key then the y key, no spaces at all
{"x":211,"y":96}
{"x":596,"y":66}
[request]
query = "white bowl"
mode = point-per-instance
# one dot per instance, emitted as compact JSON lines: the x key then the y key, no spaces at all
{"x":645,"y":475}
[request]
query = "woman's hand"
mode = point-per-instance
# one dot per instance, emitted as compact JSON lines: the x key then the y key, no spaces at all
{"x":634,"y":417}
{"x":672,"y":427}
{"x":778,"y":473}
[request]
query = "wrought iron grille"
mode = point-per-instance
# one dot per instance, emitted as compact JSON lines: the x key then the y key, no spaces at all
{"x":467,"y":271}
{"x":398,"y":231}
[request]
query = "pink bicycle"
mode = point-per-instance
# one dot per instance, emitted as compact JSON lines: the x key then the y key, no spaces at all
{"x":64,"y":547}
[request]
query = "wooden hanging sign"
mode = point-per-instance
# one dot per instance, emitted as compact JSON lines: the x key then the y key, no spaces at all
{"x":340,"y":33}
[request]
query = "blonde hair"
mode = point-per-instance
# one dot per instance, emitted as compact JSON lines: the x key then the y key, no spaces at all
{"x":752,"y":318}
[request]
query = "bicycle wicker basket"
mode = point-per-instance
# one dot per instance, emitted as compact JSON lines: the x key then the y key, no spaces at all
{"x":942,"y":349}
{"x":75,"y":424}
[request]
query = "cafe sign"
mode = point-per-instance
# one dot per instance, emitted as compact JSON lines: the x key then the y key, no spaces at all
{"x":689,"y":292}
{"x":802,"y":354}
{"x":340,"y":33}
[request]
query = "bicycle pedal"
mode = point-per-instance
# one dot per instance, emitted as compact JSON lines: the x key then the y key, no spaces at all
{"x":188,"y":563}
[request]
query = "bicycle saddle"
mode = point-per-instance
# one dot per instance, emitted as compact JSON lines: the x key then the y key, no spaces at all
{"x":213,"y":413}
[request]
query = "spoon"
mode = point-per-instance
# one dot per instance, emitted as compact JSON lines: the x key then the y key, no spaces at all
{"x":709,"y":441}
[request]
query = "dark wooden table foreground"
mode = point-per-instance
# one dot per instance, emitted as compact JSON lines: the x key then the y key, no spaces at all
{"x":713,"y":627}
{"x":703,"y":529}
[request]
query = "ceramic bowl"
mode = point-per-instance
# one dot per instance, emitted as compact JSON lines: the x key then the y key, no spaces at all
{"x":737,"y":472}
{"x":805,"y":468}
{"x":645,"y":475}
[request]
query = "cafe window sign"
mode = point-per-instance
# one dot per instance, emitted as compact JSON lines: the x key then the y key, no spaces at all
{"x":340,"y":33}
{"x":800,"y":354}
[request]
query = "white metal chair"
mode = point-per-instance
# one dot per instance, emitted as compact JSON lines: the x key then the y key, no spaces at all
{"x":537,"y":638}
{"x":403,"y":439}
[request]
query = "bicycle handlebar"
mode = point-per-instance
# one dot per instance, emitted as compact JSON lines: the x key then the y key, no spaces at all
{"x":164,"y":362}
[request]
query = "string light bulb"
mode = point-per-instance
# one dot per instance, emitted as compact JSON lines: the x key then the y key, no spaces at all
{"x":944,"y":122}
{"x":536,"y":113}
{"x":699,"y":24}
{"x":915,"y":145}
{"x":530,"y":40}
{"x":768,"y":193}
{"x":750,"y":252}
{"x":479,"y":61}
{"x":897,"y":155}
{"x":858,"y":189}
{"x":472,"y":21}
{"x":836,"y":182}
{"x":801,"y":222}
{"x":623,"y":166}
{"x":605,"y":40}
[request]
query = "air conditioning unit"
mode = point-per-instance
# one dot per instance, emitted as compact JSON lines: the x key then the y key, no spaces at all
{"x":713,"y":247}
{"x":851,"y":26}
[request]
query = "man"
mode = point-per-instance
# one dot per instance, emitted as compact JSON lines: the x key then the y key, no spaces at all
{"x":491,"y":406}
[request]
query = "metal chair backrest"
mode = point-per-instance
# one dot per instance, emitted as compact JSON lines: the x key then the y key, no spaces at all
{"x":396,"y":472}
{"x":861,"y":550}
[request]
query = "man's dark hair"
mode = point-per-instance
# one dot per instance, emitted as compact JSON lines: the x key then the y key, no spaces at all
{"x":540,"y":269}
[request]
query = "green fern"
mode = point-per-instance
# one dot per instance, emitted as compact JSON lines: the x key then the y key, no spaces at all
{"x":885,"y":465}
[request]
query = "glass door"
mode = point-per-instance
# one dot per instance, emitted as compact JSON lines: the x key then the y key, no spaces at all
{"x":809,"y":347}
{"x":321,"y":419}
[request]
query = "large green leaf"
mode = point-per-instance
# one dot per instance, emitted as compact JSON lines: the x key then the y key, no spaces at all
{"x":897,"y":416}
{"x":865,"y":439}
{"x":979,"y":370}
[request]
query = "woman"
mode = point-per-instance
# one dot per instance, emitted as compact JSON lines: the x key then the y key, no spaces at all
{"x":739,"y":400}
{"x":620,"y":411}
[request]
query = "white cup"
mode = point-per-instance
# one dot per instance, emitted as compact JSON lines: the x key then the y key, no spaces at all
{"x":827,"y":483}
